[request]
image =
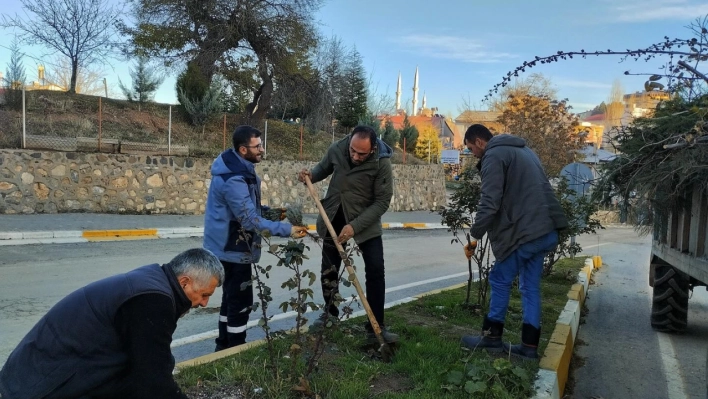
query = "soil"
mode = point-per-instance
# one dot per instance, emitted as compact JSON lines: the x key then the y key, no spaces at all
{"x":390,"y":384}
{"x":223,"y":392}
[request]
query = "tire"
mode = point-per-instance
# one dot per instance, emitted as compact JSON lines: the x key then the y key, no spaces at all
{"x":669,"y":309}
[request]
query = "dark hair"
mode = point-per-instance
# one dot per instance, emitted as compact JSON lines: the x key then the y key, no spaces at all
{"x":477,"y":132}
{"x":243,"y":134}
{"x":364,"y":131}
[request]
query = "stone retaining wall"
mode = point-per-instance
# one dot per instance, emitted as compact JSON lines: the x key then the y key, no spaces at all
{"x":51,"y":182}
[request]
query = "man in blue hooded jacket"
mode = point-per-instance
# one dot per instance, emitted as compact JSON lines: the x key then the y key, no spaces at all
{"x":233,"y":222}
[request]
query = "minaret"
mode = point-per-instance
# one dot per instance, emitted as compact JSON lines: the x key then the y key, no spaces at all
{"x":424,"y":100}
{"x":398,"y":93}
{"x":415,"y":93}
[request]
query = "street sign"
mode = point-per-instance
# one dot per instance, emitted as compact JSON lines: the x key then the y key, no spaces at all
{"x":451,"y":156}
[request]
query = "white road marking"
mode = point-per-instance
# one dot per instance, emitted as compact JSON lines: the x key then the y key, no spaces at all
{"x":253,"y":323}
{"x":674,"y":382}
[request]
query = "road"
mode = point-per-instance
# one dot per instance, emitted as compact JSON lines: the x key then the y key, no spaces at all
{"x":624,"y":358}
{"x":633,"y":360}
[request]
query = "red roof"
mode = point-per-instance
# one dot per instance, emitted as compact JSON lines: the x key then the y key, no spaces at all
{"x":595,"y":118}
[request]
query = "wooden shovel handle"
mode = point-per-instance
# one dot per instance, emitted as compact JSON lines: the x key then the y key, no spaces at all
{"x":345,"y":259}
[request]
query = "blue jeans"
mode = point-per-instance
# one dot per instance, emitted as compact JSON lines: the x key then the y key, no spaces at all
{"x":526,"y":262}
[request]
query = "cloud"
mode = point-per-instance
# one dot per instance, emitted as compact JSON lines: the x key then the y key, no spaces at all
{"x":656,"y":10}
{"x":450,"y":48}
{"x":585,"y":84}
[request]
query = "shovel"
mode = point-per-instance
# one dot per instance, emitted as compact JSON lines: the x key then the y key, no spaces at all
{"x":384,"y":349}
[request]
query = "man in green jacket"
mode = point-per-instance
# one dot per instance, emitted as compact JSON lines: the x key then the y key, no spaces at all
{"x":359,"y":193}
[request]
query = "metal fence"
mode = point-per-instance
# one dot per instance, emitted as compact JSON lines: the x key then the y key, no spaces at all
{"x":60,"y":122}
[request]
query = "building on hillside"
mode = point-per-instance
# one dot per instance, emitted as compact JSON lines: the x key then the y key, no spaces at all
{"x":447,"y":132}
{"x":486,"y":118}
{"x":640,"y":104}
{"x":593,"y":126}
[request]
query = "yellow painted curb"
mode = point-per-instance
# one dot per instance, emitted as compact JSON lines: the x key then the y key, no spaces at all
{"x":384,"y":225}
{"x":577,"y":293}
{"x":414,"y":225}
{"x":587,"y":270}
{"x":439,"y":290}
{"x":312,"y":227}
{"x":597,"y":261}
{"x":119,"y":233}
{"x":557,"y":355}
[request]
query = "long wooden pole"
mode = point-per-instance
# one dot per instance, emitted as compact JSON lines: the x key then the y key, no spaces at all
{"x":100,"y":124}
{"x":347,"y":263}
{"x":224,"y":133}
{"x":301,"y":129}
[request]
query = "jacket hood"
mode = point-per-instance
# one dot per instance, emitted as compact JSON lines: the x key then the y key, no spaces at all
{"x":229,"y":162}
{"x":385,"y":151}
{"x":506,"y":140}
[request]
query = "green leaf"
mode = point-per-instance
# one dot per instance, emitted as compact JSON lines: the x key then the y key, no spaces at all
{"x":475,"y":387}
{"x":273,"y":248}
{"x":455,"y":377}
{"x":261,"y":322}
{"x":313,"y":278}
{"x":521,"y":373}
{"x":654,"y":78}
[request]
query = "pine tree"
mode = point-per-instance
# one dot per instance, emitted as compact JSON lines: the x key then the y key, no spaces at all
{"x":410,"y":134}
{"x":370,"y":120}
{"x":15,"y":78}
{"x":145,"y":83}
{"x":390,"y":134}
{"x":352,"y":106}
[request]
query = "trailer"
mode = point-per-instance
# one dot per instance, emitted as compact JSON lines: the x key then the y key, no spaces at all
{"x":679,"y":261}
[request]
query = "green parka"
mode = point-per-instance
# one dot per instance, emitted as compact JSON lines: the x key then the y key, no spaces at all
{"x":364,"y":191}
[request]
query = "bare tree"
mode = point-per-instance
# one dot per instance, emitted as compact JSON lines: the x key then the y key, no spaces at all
{"x":87,"y":80}
{"x":81,"y":30}
{"x":536,"y":85}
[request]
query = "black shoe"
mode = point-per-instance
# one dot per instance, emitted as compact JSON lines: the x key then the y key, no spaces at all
{"x":528,"y":349}
{"x":522,"y":351}
{"x":490,"y":339}
{"x":388,"y":337}
{"x":219,"y":348}
{"x":325,"y":320}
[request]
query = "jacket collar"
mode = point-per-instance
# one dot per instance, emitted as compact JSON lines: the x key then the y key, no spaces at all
{"x":182,"y":303}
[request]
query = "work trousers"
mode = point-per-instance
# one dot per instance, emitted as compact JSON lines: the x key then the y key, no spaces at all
{"x":526,"y":262}
{"x":236,"y":303}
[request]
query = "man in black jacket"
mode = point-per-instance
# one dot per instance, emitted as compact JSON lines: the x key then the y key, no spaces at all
{"x":520,"y":214}
{"x":111,"y":338}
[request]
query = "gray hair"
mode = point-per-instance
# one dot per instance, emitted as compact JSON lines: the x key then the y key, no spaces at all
{"x":199,"y":264}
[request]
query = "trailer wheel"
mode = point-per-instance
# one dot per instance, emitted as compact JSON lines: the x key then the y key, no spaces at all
{"x":669,"y":310}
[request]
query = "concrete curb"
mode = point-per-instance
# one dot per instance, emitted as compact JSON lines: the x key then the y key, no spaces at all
{"x":76,"y":236}
{"x":555,"y":364}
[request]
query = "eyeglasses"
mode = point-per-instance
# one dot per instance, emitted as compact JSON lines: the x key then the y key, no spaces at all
{"x":254,"y":146}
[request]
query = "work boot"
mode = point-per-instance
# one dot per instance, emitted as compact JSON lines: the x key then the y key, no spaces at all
{"x":325,"y":320}
{"x":388,"y":337}
{"x":528,"y":348}
{"x":489,"y":340}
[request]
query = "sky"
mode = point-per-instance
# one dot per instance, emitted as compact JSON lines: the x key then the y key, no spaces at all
{"x":463,"y":48}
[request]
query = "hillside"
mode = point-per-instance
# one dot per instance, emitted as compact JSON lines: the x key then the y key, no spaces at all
{"x":57,"y":114}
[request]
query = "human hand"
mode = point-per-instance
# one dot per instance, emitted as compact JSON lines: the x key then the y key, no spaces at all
{"x":469,"y":249}
{"x":298,"y":231}
{"x":301,"y":175}
{"x":346,"y":233}
{"x":283,"y":213}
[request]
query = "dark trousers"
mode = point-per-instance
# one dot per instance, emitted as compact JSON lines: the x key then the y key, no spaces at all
{"x":236,"y":305}
{"x":373,"y":255}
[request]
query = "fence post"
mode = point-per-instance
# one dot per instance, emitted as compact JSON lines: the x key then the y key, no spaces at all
{"x":100,"y":121}
{"x":301,"y":128}
{"x":24,"y":119}
{"x":169,"y":133}
{"x":265,"y":139}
